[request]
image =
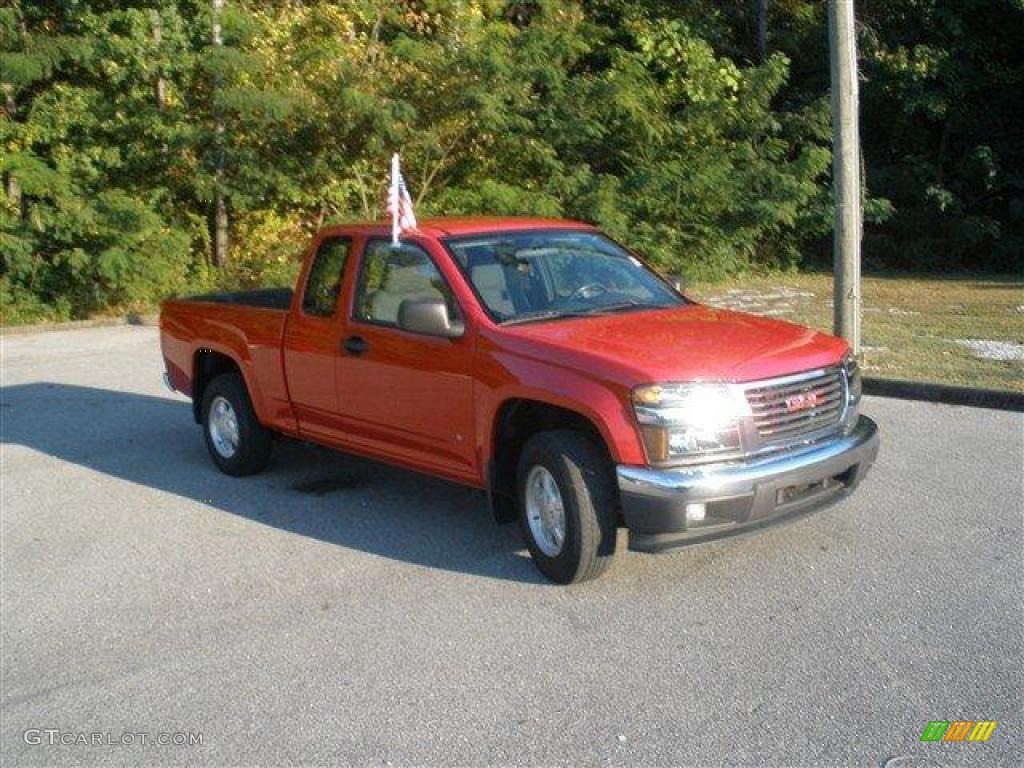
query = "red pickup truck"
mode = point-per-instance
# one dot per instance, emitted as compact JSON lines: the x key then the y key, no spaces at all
{"x":541,"y":361}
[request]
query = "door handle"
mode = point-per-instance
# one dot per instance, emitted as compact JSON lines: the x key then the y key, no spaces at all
{"x":355,"y":345}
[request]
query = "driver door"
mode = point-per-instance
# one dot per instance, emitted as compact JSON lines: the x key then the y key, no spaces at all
{"x":403,"y":395}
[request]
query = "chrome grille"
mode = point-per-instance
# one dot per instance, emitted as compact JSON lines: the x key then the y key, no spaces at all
{"x":797,"y":406}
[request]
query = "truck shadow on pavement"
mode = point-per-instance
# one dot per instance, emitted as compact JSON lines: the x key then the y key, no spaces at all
{"x":332,"y":497}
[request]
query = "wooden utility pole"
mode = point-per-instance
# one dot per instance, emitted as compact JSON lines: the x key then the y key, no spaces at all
{"x":220,"y":214}
{"x":845,"y":172}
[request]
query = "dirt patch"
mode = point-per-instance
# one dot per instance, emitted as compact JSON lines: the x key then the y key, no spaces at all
{"x":987,"y":349}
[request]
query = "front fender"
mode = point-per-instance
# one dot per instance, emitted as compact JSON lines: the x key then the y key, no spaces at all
{"x":603,"y":403}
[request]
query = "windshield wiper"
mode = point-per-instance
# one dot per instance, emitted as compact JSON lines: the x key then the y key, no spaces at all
{"x":631,"y":304}
{"x":596,"y":311}
{"x":548,"y":314}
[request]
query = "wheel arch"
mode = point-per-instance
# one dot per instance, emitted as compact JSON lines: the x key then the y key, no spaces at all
{"x":207,"y":364}
{"x":515,"y":421}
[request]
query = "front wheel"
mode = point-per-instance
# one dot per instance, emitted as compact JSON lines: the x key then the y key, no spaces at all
{"x":567,"y":506}
{"x":238,"y":443}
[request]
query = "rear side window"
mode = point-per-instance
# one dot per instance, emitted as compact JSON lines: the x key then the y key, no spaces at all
{"x":389,"y":275}
{"x":324,"y":283}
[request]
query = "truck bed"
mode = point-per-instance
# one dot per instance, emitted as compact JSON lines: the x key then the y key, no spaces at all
{"x":265,"y":298}
{"x":247,"y":327}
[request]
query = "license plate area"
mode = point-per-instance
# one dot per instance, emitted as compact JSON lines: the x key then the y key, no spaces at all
{"x":793,"y":494}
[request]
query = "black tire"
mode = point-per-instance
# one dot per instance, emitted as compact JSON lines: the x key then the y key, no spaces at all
{"x":254,"y":440}
{"x":586,"y":482}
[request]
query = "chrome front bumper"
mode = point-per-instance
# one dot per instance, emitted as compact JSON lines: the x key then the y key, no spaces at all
{"x":742,"y":497}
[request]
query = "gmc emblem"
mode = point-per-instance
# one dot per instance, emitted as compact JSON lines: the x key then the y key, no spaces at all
{"x":801,"y":402}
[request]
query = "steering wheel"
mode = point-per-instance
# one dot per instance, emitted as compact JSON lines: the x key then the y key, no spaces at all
{"x":587,"y":291}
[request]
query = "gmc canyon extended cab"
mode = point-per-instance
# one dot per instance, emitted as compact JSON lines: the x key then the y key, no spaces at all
{"x":541,"y":361}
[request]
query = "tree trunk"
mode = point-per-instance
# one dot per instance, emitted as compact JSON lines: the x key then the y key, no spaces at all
{"x":940,"y":162}
{"x":220,"y":216}
{"x":762,"y":31}
{"x":220,"y":232}
{"x":12,"y":189}
{"x":161,"y":85}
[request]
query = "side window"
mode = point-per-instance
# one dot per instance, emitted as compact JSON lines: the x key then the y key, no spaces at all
{"x":324,"y":283}
{"x":390,"y":275}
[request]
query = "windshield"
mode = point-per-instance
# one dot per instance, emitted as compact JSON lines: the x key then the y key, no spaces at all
{"x":526,"y":276}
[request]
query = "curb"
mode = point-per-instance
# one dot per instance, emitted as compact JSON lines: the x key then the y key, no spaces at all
{"x":944,"y":393}
{"x":74,"y":325}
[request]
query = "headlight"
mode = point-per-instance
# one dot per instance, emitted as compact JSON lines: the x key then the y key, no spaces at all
{"x":689,"y":421}
{"x":852,"y":379}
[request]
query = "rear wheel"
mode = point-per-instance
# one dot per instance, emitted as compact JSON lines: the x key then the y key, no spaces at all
{"x":238,"y":443}
{"x":567,"y":505}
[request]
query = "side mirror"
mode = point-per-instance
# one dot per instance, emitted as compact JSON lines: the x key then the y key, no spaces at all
{"x":678,"y":285}
{"x":428,"y":316}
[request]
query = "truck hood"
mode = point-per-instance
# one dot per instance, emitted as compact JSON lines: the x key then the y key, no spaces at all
{"x":689,"y":343}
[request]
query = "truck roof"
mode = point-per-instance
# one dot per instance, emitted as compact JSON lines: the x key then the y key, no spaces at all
{"x":462,"y":225}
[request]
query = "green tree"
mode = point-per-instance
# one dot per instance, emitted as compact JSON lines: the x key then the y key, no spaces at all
{"x":664,"y":122}
{"x":941,"y":127}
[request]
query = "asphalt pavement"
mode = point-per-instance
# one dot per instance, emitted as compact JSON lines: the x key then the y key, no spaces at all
{"x":334,"y":611}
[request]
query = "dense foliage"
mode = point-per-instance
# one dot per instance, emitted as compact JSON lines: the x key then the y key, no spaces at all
{"x":123,"y":122}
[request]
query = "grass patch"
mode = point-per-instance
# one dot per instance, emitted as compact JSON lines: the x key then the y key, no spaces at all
{"x":912,"y":327}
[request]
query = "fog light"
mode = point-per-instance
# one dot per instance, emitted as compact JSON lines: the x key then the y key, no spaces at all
{"x":695,"y":512}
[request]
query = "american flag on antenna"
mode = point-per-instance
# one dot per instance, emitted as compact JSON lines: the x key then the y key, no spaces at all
{"x":399,"y":203}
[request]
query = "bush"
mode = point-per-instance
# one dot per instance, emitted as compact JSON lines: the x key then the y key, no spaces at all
{"x":268,"y":251}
